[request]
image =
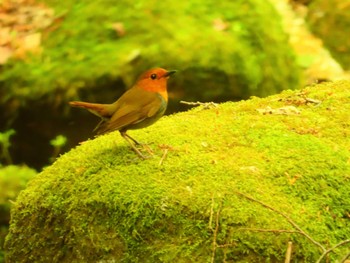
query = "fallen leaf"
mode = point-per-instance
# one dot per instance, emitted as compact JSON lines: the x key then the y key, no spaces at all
{"x":220,"y":25}
{"x":5,"y":36}
{"x":20,"y":23}
{"x":119,"y":28}
{"x":6,"y":19}
{"x":32,"y":42}
{"x":204,"y":144}
{"x":5,"y":54}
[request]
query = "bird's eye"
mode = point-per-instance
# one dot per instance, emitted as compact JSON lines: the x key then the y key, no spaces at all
{"x":153,"y":76}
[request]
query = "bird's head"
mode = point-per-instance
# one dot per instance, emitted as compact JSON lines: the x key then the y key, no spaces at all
{"x":155,"y":80}
{"x":156,"y":74}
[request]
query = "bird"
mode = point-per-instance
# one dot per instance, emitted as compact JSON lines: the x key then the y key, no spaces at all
{"x":140,"y":106}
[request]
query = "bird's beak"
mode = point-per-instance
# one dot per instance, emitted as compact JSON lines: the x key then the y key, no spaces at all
{"x":169,"y":73}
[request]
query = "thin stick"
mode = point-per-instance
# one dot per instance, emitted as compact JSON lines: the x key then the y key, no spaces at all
{"x":345,"y":258}
{"x":312,"y":100}
{"x":211,"y":212}
{"x":226,"y":245}
{"x":215,"y":245}
{"x":198,"y":103}
{"x":286,"y":217}
{"x":288,"y":252}
{"x":325,"y":253}
{"x":163,"y":157}
{"x":271,"y":230}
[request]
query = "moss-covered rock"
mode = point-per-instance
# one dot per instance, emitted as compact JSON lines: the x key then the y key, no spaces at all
{"x":100,"y":203}
{"x":330,"y":20}
{"x":13,"y":179}
{"x":94,"y":50}
{"x":92,"y":44}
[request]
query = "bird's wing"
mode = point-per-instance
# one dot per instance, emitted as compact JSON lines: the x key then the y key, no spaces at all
{"x":133,"y":106}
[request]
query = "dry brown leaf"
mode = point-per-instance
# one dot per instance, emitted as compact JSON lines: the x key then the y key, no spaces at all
{"x":5,"y":54}
{"x":119,"y":28}
{"x":20,"y":23}
{"x":220,"y":25}
{"x":32,"y":42}
{"x":5,"y":36}
{"x":7,"y":19}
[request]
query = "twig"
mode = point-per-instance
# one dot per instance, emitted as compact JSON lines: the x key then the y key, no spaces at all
{"x":211,"y":212}
{"x":215,"y":245}
{"x":288,"y":252}
{"x":206,"y":105}
{"x":271,"y":230}
{"x":302,"y":232}
{"x":226,"y":245}
{"x":345,"y":258}
{"x":313,"y":101}
{"x":163,"y":157}
{"x":325,"y":253}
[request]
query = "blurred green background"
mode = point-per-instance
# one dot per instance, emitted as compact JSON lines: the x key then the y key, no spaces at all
{"x":52,"y":52}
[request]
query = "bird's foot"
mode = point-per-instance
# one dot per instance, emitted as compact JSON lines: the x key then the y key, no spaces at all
{"x":142,"y":156}
{"x":133,"y":143}
{"x":146,"y":148}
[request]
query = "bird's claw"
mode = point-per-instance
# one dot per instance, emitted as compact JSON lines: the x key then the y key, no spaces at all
{"x":137,"y":151}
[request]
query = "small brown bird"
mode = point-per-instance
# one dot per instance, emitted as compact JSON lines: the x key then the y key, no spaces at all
{"x":140,"y":106}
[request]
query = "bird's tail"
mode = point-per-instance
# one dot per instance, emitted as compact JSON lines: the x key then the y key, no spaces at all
{"x":100,"y":110}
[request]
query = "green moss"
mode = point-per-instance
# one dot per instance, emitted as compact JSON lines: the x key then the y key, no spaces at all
{"x":250,"y":56}
{"x":13,"y":179}
{"x":99,"y":202}
{"x":329,"y":20}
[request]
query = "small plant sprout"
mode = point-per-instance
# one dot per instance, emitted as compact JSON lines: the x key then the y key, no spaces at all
{"x":5,"y":144}
{"x":58,"y":143}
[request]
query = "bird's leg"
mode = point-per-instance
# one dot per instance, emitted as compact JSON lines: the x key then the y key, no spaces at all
{"x":145,"y":146}
{"x":98,"y":125}
{"x":131,"y":138}
{"x":128,"y":138}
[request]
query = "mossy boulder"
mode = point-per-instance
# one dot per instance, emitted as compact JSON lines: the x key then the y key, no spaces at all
{"x":94,"y":50}
{"x":330,"y":20}
{"x":101,"y":203}
{"x":13,"y":179}
{"x":235,"y":44}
